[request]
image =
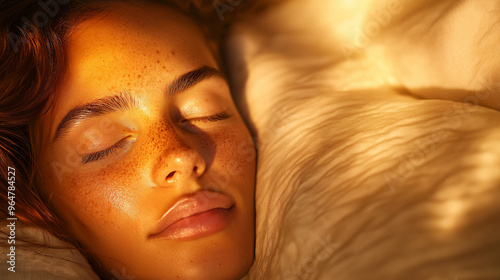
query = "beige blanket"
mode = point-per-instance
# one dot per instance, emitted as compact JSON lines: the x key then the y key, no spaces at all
{"x":379,"y":154}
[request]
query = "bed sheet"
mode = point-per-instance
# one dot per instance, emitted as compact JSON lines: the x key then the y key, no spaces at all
{"x":40,"y":255}
{"x":377,"y":131}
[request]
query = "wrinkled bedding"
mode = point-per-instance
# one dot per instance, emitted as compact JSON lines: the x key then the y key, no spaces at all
{"x":40,"y":255}
{"x":378,"y":135}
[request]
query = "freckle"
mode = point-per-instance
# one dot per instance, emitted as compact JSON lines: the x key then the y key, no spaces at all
{"x":173,"y":52}
{"x":164,"y":67}
{"x":129,"y":75}
{"x":158,"y":61}
{"x":144,"y":66}
{"x":128,"y":84}
{"x":157,"y":51}
{"x":138,"y":76}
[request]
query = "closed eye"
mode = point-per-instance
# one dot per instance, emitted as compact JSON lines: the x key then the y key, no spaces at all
{"x":120,"y":144}
{"x":212,"y":118}
{"x":104,"y":153}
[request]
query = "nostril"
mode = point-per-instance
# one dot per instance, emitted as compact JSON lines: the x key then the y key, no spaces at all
{"x":170,"y":175}
{"x":195,"y":169}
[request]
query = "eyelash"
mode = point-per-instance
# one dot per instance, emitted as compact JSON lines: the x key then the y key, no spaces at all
{"x":213,"y":118}
{"x":120,"y":144}
{"x":104,"y":153}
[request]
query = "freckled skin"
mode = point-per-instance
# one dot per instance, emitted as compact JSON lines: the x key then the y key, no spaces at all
{"x":112,"y":205}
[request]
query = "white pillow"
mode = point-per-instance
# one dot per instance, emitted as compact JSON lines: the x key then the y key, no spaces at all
{"x":40,"y":261}
{"x":357,"y":177}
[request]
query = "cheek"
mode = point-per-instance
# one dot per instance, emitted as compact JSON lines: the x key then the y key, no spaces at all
{"x":97,"y":201}
{"x":236,"y":154}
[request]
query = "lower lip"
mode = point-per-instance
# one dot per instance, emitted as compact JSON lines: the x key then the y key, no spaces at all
{"x":198,"y":225}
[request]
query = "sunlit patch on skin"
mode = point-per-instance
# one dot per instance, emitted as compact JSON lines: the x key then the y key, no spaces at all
{"x":450,"y":214}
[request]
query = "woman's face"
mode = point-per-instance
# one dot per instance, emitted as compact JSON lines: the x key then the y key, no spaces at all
{"x":147,"y":159}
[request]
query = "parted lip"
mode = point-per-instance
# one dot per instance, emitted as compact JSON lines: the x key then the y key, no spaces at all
{"x":186,"y":206}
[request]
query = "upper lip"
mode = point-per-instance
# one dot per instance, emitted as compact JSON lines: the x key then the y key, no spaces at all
{"x":199,"y":202}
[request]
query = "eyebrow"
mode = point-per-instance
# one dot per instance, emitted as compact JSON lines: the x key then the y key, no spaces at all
{"x":125,"y":101}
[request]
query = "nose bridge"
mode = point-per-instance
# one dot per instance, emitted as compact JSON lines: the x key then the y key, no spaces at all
{"x":179,"y":160}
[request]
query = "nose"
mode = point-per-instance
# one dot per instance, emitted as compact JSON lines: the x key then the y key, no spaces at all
{"x":179,"y":165}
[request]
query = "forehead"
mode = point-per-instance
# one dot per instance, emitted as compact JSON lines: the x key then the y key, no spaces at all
{"x":128,"y":36}
{"x":129,"y":48}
